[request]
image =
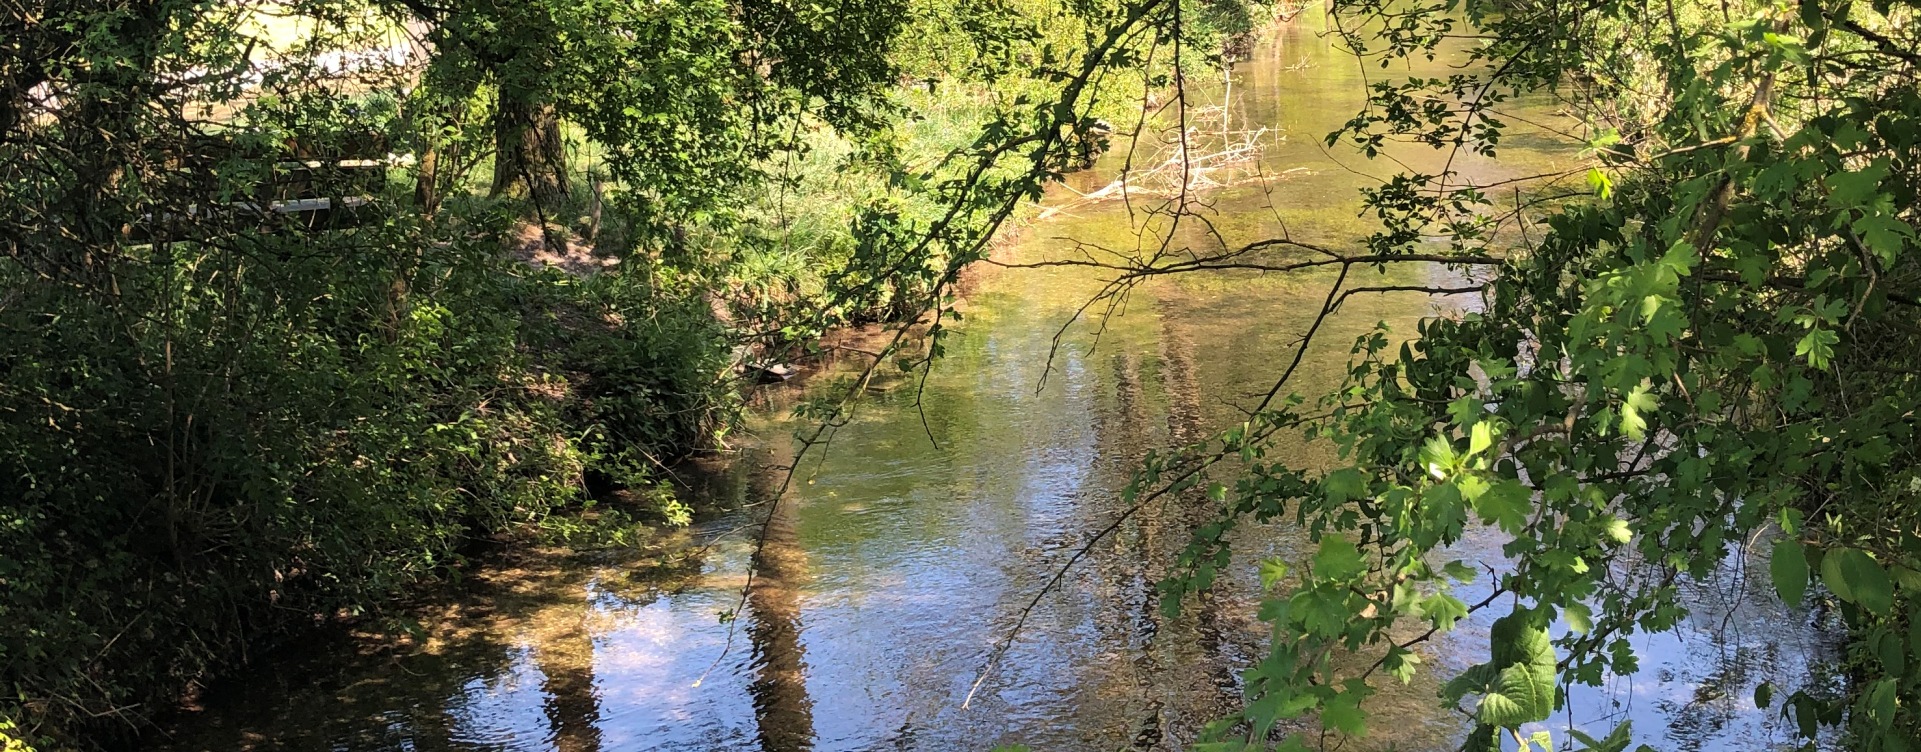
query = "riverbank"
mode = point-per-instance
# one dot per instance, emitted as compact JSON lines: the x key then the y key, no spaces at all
{"x":221,"y":438}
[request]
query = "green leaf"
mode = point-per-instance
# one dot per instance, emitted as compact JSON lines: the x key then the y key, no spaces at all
{"x":1273,"y":570}
{"x":1848,"y":190}
{"x":1883,"y":235}
{"x":1523,"y":690}
{"x":1444,"y":610}
{"x":1600,"y":183}
{"x":1882,"y":701}
{"x":1679,"y":259}
{"x":1400,"y":663}
{"x":1506,"y":503}
{"x":1634,"y":408}
{"x":1664,"y":323}
{"x":1580,"y":618}
{"x":1338,"y":559}
{"x":1480,"y":438}
{"x":1616,"y":740}
{"x":1437,"y":457}
{"x":1789,"y":566}
{"x":1532,"y":690}
{"x":1344,"y":485}
{"x":1343,"y":712}
{"x":1857,"y":578}
{"x":1497,"y":709}
{"x":1763,"y":695}
{"x":1818,"y":346}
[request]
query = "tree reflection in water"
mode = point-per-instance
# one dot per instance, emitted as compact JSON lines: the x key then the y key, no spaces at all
{"x":783,"y":711}
{"x":564,"y":653}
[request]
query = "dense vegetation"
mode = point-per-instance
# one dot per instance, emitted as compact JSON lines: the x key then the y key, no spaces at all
{"x":1708,"y":356}
{"x":300,"y":300}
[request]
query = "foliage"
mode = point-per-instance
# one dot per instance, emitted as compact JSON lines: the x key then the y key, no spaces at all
{"x":1714,"y":348}
{"x":871,"y":224}
{"x":8,"y":741}
{"x":175,"y":482}
{"x":647,"y":367}
{"x":224,"y":417}
{"x":223,"y":420}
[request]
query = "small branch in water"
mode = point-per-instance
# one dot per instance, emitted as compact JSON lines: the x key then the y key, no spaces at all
{"x":1407,"y":288}
{"x":1000,"y":648}
{"x":1201,"y":463}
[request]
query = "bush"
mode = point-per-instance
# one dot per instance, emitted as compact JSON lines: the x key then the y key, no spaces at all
{"x":645,"y":363}
{"x":278,"y":441}
{"x":289,"y":437}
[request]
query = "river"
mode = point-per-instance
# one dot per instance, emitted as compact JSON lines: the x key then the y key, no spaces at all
{"x":908,"y":547}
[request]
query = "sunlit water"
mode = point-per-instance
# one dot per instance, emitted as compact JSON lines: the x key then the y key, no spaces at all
{"x":909,"y":546}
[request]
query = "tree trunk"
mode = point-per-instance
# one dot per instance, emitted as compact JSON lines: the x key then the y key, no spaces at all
{"x":529,"y":155}
{"x":426,"y":180}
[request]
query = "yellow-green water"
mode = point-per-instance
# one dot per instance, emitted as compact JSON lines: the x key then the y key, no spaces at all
{"x":897,"y":561}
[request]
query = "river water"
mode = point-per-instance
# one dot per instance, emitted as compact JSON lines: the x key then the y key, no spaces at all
{"x":908,"y":547}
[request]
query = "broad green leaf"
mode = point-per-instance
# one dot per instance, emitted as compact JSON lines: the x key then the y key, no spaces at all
{"x":1499,"y":710}
{"x":1437,"y":457}
{"x":1853,"y":189}
{"x":1883,"y":235}
{"x":1523,"y":689}
{"x":1907,"y":579}
{"x":1789,"y":566}
{"x":1480,"y":438}
{"x":1273,"y":570}
{"x":1857,"y":578}
{"x":1506,"y":503}
{"x":1443,"y":610}
{"x":1580,"y":618}
{"x":1344,"y":485}
{"x":1338,"y":559}
{"x":1600,"y":183}
{"x":1343,"y":713}
{"x":1882,"y":700}
{"x":1817,"y":346}
{"x":1634,"y":409}
{"x":1531,"y":688}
